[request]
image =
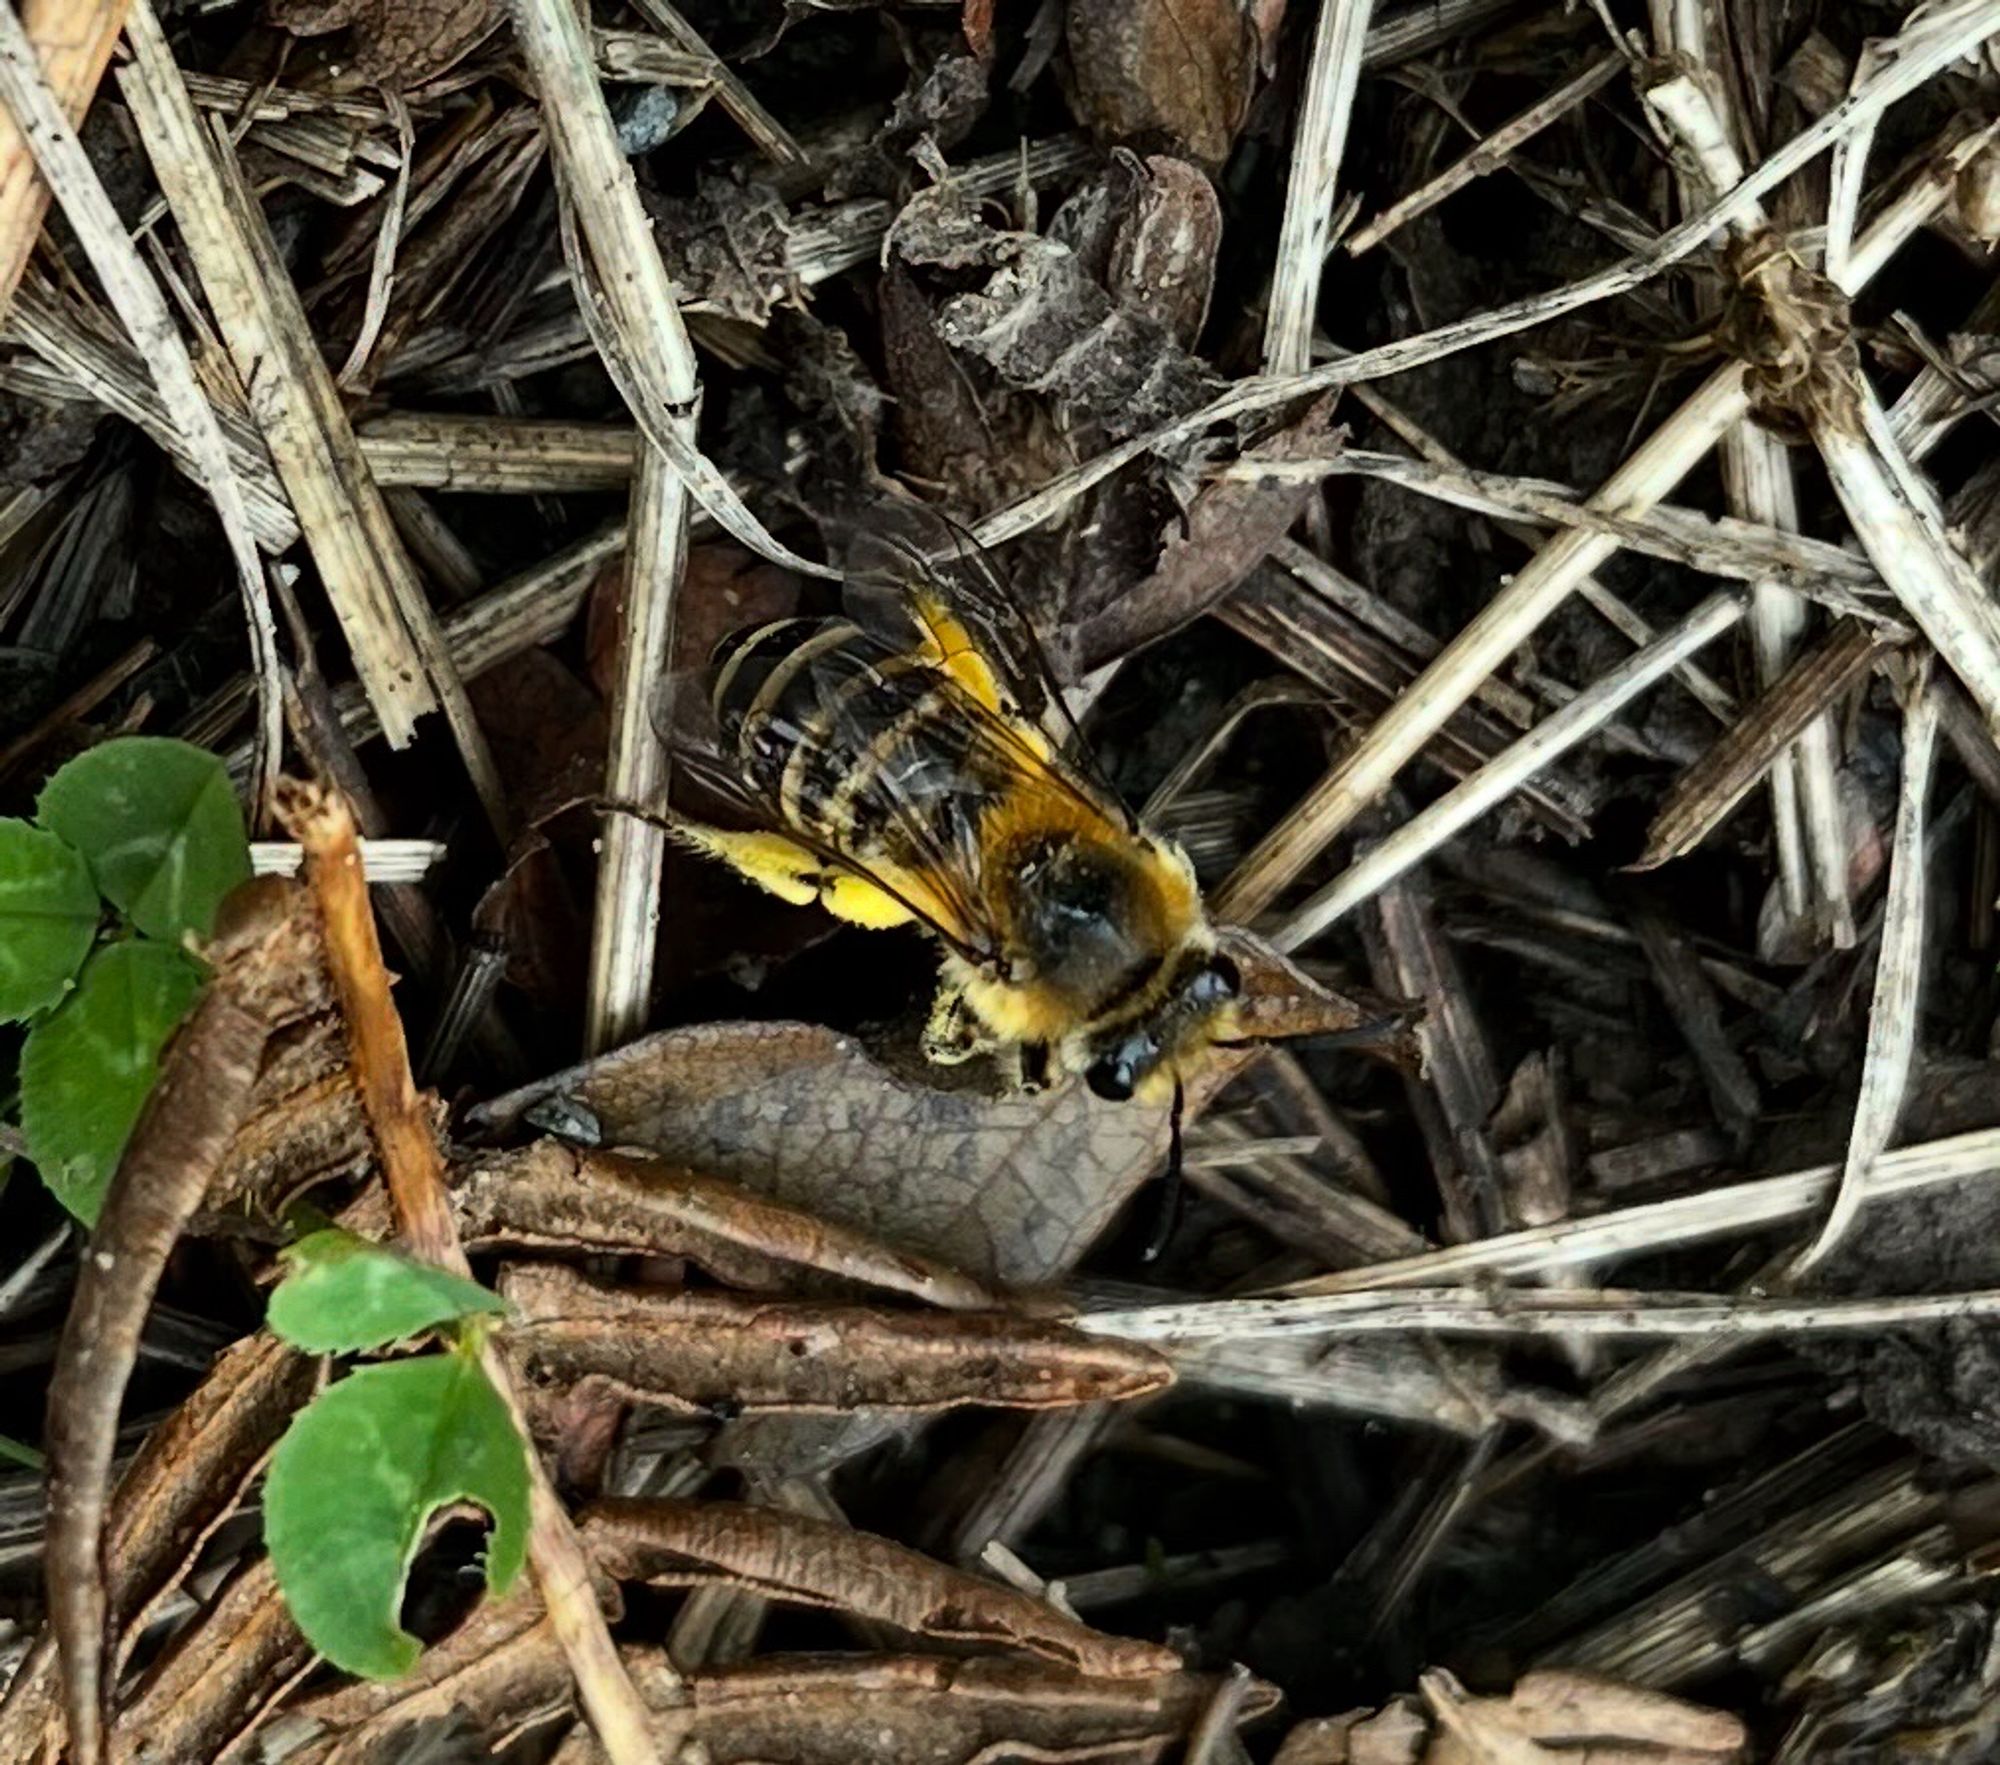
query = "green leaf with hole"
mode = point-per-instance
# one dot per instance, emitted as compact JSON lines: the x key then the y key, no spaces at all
{"x":341,"y":1294}
{"x":48,"y":916}
{"x":356,"y":1479}
{"x":89,"y":1066}
{"x":160,"y":827}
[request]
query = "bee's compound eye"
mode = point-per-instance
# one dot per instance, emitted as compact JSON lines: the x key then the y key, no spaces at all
{"x":1228,"y":977}
{"x":1111,"y":1078}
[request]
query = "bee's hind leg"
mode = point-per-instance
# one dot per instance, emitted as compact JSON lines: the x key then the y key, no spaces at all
{"x":953,"y":1035}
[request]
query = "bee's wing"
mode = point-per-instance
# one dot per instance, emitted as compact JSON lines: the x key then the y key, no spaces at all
{"x":710,"y":784}
{"x":901,"y":581}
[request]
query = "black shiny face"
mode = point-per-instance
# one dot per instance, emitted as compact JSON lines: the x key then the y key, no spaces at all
{"x":1123,"y":1061}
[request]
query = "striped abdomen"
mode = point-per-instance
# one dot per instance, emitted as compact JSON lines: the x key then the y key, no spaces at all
{"x":862,"y":747}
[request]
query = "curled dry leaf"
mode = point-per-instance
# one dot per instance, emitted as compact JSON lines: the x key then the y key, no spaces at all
{"x":217,"y":1674}
{"x":1183,"y":69}
{"x":555,"y":1197}
{"x":1557,"y":1714}
{"x":503,"y":1665}
{"x":184,"y":1482}
{"x":1227,"y":531}
{"x":305,"y":1127}
{"x":815,"y":1562}
{"x":1013,"y":1188}
{"x":717,"y":1351}
{"x":920,"y":1710}
{"x":398,"y":43}
{"x":1148,"y":230}
{"x":1044,"y":323}
{"x":1552,"y":1715}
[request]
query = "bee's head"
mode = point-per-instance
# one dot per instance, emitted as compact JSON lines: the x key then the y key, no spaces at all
{"x":1139,"y":1055}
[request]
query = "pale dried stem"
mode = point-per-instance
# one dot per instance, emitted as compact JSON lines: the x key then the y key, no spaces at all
{"x":1748,"y":551}
{"x":399,"y":653}
{"x":1490,"y":154}
{"x":1429,"y":702}
{"x":498,"y":456}
{"x":1896,"y":518}
{"x":382,"y":861}
{"x":75,"y":360}
{"x":1708,"y":791}
{"x":1926,"y":47}
{"x":136,"y":297}
{"x":638,"y":330}
{"x":1318,"y":142}
{"x":70,"y":42}
{"x":1893,"y":1019}
{"x":388,"y":237}
{"x":1506,"y":621}
{"x":1733,"y":1210}
{"x":1501,"y":776}
{"x":1809,"y":827}
{"x":1846,"y":176}
{"x":625,"y":933}
{"x":1707,"y":690}
{"x":1614,"y":1315}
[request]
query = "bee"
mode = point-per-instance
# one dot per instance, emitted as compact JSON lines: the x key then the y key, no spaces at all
{"x":906,"y":763}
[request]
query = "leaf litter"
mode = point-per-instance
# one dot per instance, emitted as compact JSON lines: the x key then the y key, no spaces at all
{"x":1104,"y":284}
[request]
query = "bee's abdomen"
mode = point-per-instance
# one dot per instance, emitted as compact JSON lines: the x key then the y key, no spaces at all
{"x":858,"y":744}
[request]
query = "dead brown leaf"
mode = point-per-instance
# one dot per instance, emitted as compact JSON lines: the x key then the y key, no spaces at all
{"x":815,"y":1562}
{"x":552,"y":1196}
{"x":503,"y":1663}
{"x":185,"y":1481}
{"x":714,"y":1351}
{"x":981,"y":446}
{"x":399,"y":43}
{"x":1184,"y":69}
{"x":217,"y":1675}
{"x":1043,"y":323}
{"x":1149,"y":230}
{"x":921,"y":1710}
{"x":1230,"y":527}
{"x":1012,"y":1188}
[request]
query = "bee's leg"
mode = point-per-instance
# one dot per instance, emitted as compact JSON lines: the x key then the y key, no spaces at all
{"x":861,"y":902}
{"x":1034,"y":1066}
{"x":769,"y":860}
{"x":953,"y":1035}
{"x":792,"y":873}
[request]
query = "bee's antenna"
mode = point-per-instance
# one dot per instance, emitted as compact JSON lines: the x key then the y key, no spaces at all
{"x":1173,"y":1197}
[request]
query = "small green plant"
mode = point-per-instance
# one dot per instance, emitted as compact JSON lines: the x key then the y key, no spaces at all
{"x":368,"y":1462}
{"x":151,"y":827}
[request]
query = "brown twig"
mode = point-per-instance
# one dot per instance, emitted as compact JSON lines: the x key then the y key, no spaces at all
{"x":413,"y":1171}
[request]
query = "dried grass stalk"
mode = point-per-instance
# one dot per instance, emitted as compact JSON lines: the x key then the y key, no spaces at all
{"x":1305,"y":231}
{"x":1893,"y":1020}
{"x":1703,"y":797}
